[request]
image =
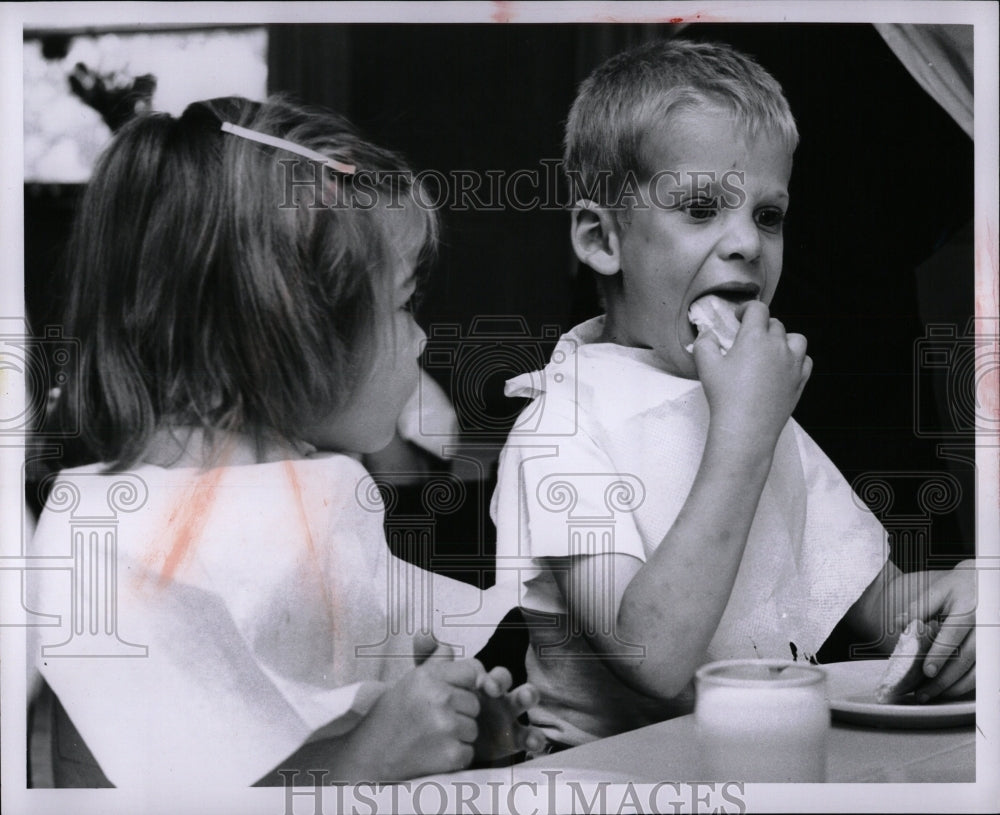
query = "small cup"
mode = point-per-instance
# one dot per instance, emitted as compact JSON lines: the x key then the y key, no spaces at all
{"x":762,"y":720}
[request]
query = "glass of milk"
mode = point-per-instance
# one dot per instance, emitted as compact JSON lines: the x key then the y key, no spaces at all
{"x":761,"y":720}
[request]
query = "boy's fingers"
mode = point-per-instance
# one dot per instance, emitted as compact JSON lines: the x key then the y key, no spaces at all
{"x":965,"y":684}
{"x":807,"y":369}
{"x":956,"y":677}
{"x":946,"y":662}
{"x":797,"y":345}
{"x":807,"y":366}
{"x":952,"y":637}
{"x":706,"y":348}
{"x":530,"y":738}
{"x":523,"y":698}
{"x":925,"y":607}
{"x":754,"y":311}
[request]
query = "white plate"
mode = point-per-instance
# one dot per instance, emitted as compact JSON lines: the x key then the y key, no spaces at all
{"x":850,"y":688}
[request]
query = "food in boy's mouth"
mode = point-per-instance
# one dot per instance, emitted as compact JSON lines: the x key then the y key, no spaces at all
{"x":905,"y":668}
{"x":718,"y":315}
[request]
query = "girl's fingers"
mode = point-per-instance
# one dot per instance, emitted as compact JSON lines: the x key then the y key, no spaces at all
{"x":466,"y":729}
{"x":496,"y":682}
{"x":465,"y":673}
{"x":424,"y":646}
{"x":464,"y":702}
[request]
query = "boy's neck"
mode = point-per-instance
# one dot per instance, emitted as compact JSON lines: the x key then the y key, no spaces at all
{"x":616,"y":325}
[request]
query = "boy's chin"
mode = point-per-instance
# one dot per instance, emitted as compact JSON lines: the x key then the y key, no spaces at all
{"x":679,"y":362}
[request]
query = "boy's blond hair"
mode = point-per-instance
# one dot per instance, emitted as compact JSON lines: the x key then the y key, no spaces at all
{"x":639,"y":89}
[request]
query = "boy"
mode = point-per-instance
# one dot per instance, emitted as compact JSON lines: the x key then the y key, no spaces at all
{"x":672,"y":513}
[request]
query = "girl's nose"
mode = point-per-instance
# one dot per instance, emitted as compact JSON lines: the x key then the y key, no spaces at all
{"x":741,"y":240}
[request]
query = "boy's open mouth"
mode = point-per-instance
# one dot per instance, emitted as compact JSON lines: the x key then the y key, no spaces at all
{"x":715,"y":311}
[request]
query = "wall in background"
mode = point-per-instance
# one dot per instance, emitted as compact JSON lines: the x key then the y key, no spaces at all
{"x":877,"y":241}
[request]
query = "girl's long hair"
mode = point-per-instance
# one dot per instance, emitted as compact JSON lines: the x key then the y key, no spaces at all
{"x":208,"y":291}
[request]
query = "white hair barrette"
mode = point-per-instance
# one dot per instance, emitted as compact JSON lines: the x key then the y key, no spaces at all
{"x":290,"y":146}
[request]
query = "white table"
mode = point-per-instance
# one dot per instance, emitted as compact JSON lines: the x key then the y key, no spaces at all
{"x":665,"y":751}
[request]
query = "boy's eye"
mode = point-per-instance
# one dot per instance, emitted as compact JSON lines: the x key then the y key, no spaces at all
{"x":702,"y":210}
{"x":770,"y":218}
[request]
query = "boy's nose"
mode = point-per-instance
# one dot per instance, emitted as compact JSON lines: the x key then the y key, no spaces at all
{"x":741,"y":240}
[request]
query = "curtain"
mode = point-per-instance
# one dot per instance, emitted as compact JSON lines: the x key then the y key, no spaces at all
{"x":939,"y":57}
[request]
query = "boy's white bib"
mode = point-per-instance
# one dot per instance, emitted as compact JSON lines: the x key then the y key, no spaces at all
{"x":617,"y":447}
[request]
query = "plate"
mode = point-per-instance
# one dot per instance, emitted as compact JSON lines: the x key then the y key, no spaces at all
{"x":850,"y":689}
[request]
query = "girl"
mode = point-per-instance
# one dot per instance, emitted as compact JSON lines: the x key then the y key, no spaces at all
{"x":241,"y":281}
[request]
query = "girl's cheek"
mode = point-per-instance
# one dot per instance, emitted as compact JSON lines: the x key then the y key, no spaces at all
{"x":412,"y":337}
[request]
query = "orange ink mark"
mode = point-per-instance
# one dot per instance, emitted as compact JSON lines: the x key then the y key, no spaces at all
{"x":190,"y":518}
{"x":503,"y":12}
{"x":986,"y":377}
{"x":293,"y":480}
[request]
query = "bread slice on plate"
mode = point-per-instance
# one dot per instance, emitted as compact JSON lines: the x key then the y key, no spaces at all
{"x":905,"y":667}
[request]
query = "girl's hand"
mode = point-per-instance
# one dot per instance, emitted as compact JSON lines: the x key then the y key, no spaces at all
{"x":500,"y":733}
{"x":753,"y":389}
{"x":424,"y":724}
{"x":950,"y":662}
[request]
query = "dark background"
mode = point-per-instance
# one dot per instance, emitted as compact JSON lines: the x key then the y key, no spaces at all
{"x":878,"y":240}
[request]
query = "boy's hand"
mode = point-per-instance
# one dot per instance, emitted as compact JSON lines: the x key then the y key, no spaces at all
{"x":950,"y":663}
{"x":753,"y":389}
{"x":500,"y":732}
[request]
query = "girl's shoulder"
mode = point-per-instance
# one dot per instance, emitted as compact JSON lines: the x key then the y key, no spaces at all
{"x":334,"y":481}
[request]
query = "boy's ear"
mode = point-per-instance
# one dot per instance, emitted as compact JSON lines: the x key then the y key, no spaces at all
{"x":595,"y":238}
